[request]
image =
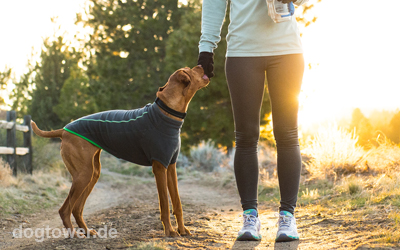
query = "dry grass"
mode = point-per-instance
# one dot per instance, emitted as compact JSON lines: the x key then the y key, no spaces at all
{"x":383,"y":158}
{"x":29,"y":193}
{"x":367,"y":205}
{"x":6,"y":177}
{"x":47,"y":187}
{"x":333,"y":152}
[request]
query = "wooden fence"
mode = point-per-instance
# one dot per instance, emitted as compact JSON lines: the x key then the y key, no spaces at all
{"x":11,"y":149}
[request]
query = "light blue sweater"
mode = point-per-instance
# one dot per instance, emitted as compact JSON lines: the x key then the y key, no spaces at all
{"x":251,"y":31}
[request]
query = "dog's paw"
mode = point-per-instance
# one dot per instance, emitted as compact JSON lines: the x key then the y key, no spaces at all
{"x":185,"y":233}
{"x":92,"y":232}
{"x":171,"y":233}
{"x":79,"y":235}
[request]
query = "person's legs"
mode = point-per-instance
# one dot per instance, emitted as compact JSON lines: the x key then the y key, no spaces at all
{"x":284,"y":75}
{"x":246,"y":78}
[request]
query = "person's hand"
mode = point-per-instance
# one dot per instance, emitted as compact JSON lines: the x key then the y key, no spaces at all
{"x":287,"y":1}
{"x":206,"y":60}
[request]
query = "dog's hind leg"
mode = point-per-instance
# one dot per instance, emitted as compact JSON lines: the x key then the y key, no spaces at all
{"x":160,"y":173}
{"x":79,"y":184}
{"x":77,"y":211}
{"x":176,"y":200}
{"x":77,"y":155}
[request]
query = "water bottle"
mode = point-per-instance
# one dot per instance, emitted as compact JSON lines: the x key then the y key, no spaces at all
{"x":280,"y":12}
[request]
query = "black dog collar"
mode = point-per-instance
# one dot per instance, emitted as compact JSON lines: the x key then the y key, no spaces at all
{"x":170,"y":111}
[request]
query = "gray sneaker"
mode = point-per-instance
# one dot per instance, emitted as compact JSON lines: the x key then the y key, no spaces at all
{"x":287,"y":229}
{"x":251,"y":226}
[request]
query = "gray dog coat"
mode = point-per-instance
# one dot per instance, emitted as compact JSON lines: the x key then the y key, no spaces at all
{"x":139,"y":135}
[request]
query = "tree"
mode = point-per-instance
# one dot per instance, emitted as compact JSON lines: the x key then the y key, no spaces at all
{"x":75,"y":100}
{"x":362,"y":126}
{"x":21,"y":95}
{"x":394,"y":128}
{"x":38,"y":91}
{"x":127,"y":50}
{"x":53,"y":69}
{"x":5,"y":77}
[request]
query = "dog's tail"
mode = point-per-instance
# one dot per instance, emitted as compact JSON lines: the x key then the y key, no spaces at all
{"x":47,"y":134}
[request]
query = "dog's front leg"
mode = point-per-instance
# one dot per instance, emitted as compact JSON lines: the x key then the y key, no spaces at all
{"x":175,"y":198}
{"x":160,"y":173}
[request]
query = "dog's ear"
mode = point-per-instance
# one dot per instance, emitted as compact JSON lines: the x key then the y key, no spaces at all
{"x":184,"y":78}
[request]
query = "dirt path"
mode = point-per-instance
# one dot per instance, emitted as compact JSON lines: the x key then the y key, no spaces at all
{"x":130,"y":205}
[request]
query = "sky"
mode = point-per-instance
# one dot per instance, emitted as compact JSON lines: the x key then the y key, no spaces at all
{"x":354,"y":50}
{"x":23,"y":24}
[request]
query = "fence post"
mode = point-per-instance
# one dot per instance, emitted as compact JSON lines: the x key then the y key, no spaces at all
{"x":12,"y":141}
{"x":28,"y":144}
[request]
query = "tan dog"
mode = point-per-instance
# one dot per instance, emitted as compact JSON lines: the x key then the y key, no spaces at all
{"x":82,"y":156}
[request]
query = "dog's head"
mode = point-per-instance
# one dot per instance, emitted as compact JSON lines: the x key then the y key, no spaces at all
{"x":182,"y":85}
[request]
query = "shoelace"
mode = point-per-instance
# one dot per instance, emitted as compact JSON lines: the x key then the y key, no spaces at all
{"x":284,"y":221}
{"x":249,"y":220}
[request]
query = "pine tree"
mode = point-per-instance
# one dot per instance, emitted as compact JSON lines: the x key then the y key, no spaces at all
{"x":127,"y":59}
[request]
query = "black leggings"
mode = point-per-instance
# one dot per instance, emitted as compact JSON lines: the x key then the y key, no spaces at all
{"x":246,"y":78}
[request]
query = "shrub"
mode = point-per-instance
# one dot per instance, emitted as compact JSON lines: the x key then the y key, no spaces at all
{"x":124,"y":167}
{"x":46,"y":155}
{"x":183,"y":161}
{"x":333,"y":151}
{"x":206,"y":157}
{"x":384,"y":157}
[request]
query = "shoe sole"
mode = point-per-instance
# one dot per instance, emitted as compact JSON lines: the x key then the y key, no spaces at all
{"x":247,"y":236}
{"x":286,"y":238}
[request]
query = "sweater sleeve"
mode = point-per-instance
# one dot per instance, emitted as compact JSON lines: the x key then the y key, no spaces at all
{"x":300,"y":2}
{"x":213,"y":14}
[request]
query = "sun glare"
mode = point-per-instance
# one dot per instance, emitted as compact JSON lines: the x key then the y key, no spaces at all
{"x":353,"y":55}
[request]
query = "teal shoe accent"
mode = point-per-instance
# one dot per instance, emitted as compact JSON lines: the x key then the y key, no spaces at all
{"x":251,"y":212}
{"x":286,"y":213}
